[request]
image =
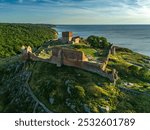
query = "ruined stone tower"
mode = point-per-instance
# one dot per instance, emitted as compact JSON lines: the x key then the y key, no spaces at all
{"x":26,"y":52}
{"x":67,"y":37}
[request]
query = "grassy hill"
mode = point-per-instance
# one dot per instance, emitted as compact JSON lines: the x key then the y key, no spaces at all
{"x":13,"y":36}
{"x":42,"y":87}
{"x":29,"y":86}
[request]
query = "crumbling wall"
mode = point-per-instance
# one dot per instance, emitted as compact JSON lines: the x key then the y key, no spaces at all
{"x":62,"y":56}
{"x":78,"y":59}
{"x":68,"y":57}
{"x":73,"y":55}
{"x":95,"y":68}
{"x":25,"y":52}
{"x":112,"y":51}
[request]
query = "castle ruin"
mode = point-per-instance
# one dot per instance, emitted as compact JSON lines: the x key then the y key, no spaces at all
{"x":70,"y":57}
{"x":63,"y":56}
{"x":67,"y":37}
{"x":26,"y":52}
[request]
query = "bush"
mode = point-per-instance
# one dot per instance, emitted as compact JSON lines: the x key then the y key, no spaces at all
{"x":78,"y":92}
{"x":144,"y":73}
{"x":134,"y":70}
{"x":98,"y":42}
{"x":94,"y":41}
{"x":103,"y":42}
{"x":145,"y":86}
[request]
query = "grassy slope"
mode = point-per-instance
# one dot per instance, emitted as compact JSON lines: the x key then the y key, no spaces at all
{"x":87,"y":89}
{"x":74,"y":90}
{"x":95,"y":91}
{"x":123,"y":60}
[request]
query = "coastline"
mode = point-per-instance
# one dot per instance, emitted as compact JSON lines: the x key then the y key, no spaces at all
{"x":127,"y":36}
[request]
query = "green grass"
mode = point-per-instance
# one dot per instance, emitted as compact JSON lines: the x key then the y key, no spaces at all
{"x":89,"y":51}
{"x":72,"y":89}
{"x":50,"y":81}
{"x":123,"y":61}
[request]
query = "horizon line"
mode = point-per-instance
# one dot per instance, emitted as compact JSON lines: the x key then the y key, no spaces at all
{"x":75,"y":24}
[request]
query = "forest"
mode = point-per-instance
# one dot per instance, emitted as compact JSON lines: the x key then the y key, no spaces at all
{"x":13,"y":36}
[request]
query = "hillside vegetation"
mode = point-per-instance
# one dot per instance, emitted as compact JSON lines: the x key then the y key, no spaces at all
{"x":42,"y":87}
{"x":13,"y":36}
{"x":23,"y":86}
{"x":31,"y":86}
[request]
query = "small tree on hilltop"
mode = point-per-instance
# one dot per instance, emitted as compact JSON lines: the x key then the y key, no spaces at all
{"x":103,"y":42}
{"x":98,"y":42}
{"x":94,"y":41}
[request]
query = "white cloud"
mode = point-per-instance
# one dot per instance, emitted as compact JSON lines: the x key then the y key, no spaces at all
{"x":20,"y":1}
{"x":143,"y":3}
{"x":87,"y":11}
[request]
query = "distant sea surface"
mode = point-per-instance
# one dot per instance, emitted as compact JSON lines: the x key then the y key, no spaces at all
{"x":135,"y":37}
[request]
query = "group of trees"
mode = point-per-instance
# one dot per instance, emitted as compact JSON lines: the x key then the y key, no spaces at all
{"x":98,"y":42}
{"x":13,"y":36}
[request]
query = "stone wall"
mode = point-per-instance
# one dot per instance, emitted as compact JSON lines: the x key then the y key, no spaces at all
{"x":95,"y":68}
{"x":112,"y":51}
{"x":67,"y":37}
{"x":25,"y":52}
{"x":68,"y":57}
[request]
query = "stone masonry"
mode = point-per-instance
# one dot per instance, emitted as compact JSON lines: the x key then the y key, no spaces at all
{"x":63,"y":56}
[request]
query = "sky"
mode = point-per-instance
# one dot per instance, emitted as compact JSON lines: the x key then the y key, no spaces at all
{"x":75,"y":11}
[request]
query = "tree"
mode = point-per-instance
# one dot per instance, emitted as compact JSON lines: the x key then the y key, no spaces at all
{"x":94,"y":41}
{"x":13,"y":36}
{"x":98,"y":42}
{"x":103,"y":42}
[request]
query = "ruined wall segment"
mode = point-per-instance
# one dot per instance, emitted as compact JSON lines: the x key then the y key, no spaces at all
{"x":63,"y":56}
{"x":25,"y":52}
{"x":68,"y":57}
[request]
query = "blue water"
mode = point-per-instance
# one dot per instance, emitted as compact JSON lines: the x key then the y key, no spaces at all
{"x":135,"y":37}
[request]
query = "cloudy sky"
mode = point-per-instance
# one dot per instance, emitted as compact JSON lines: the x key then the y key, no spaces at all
{"x":76,"y":11}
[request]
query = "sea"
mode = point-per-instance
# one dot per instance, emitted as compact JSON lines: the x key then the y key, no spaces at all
{"x":135,"y":37}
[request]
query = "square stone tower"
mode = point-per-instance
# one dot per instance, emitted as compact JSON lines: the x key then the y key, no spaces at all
{"x":67,"y":37}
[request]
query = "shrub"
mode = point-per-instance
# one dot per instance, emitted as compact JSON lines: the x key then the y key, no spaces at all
{"x":98,"y":42}
{"x":103,"y":42}
{"x":134,"y":70}
{"x":94,"y":41}
{"x":78,"y":92}
{"x":145,"y":86}
{"x":144,"y":73}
